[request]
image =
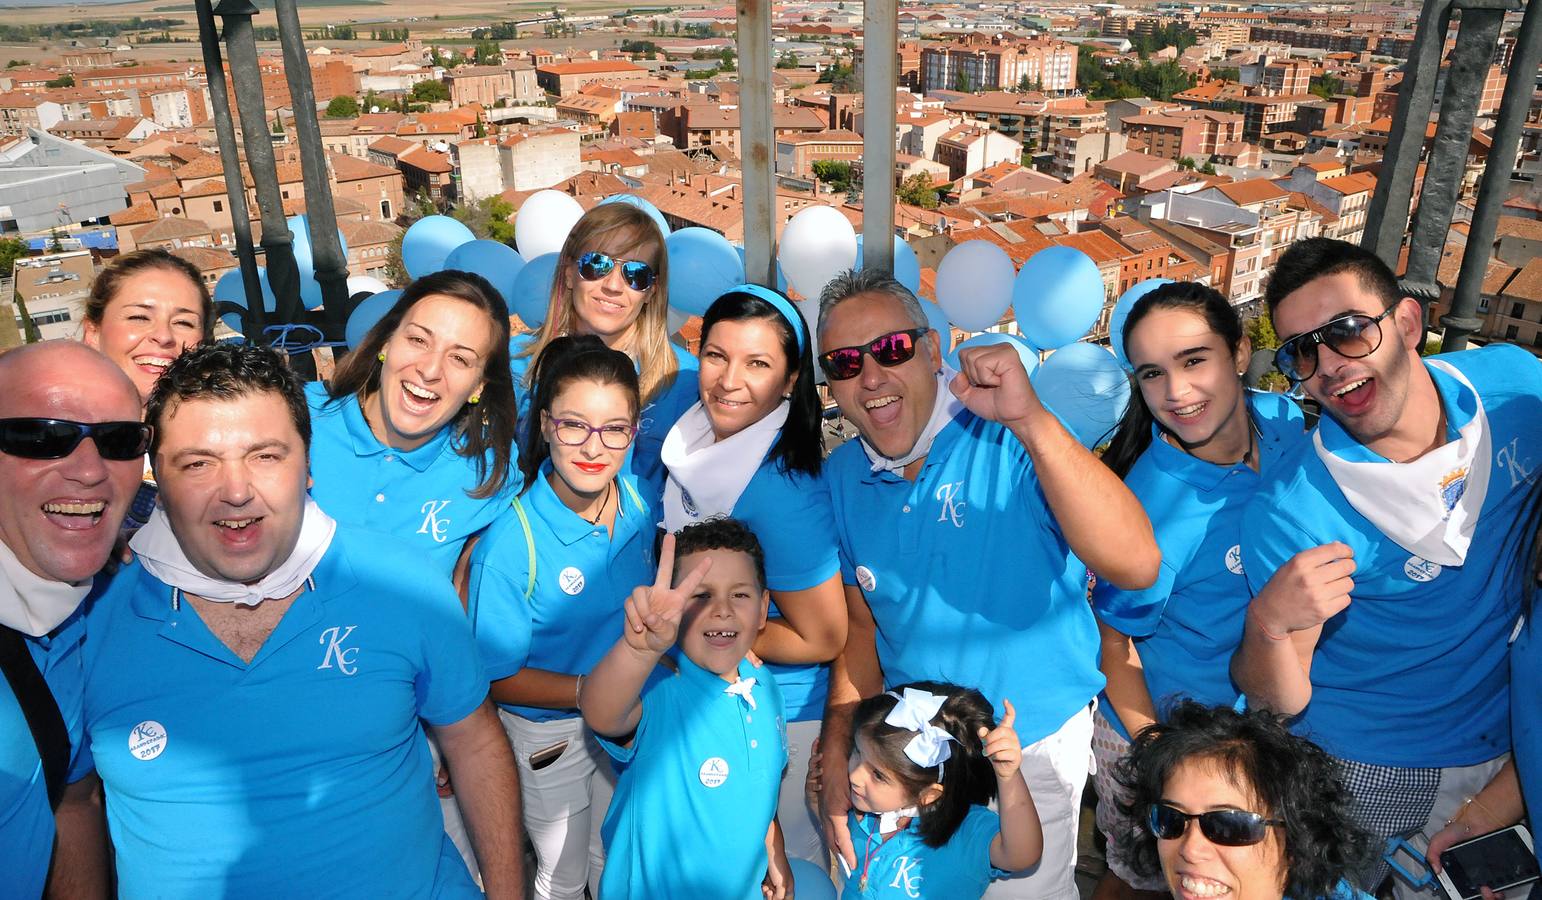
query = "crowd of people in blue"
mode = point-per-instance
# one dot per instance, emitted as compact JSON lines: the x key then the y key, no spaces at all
{"x":575,"y":612}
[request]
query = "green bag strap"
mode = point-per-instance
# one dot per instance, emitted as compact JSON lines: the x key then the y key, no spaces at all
{"x":632,"y":492}
{"x":524,"y":523}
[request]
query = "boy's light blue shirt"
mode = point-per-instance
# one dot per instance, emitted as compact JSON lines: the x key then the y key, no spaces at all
{"x":967,"y":574}
{"x":692,"y":807}
{"x":302,"y":773}
{"x":1414,"y":671}
{"x":419,"y":497}
{"x":1187,"y":626}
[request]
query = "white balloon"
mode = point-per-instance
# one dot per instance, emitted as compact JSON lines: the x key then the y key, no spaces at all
{"x":358,"y":284}
{"x":543,"y":222}
{"x":677,"y":319}
{"x":974,"y":284}
{"x":817,"y":244}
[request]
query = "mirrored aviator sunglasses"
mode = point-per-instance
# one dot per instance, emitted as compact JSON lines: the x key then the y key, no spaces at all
{"x":1222,"y":827}
{"x":892,"y":349}
{"x":33,"y":438}
{"x":594,"y":265}
{"x":1354,"y":336}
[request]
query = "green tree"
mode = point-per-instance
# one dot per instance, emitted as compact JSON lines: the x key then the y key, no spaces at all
{"x":11,"y":249}
{"x":1260,"y":333}
{"x":15,"y":63}
{"x":1186,"y":162}
{"x":63,"y":81}
{"x":1207,"y":169}
{"x":430,"y":92}
{"x":1326,"y":86}
{"x":917,"y":190}
{"x":962,"y":82}
{"x":676,"y":28}
{"x":788,"y":60}
{"x":395,"y":271}
{"x":1225,"y":74}
{"x":488,"y":219}
{"x":834,"y":172}
{"x":488,"y":53}
{"x":342,"y":107}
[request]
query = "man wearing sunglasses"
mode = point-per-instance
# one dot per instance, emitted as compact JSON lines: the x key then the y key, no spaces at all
{"x":967,"y":518}
{"x":71,"y":456}
{"x":1382,"y":552}
{"x":256,"y":678}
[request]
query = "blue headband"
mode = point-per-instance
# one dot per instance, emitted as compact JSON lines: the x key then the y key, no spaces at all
{"x":782,"y":305}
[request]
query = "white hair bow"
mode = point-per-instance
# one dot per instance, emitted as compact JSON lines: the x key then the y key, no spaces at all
{"x":914,"y":712}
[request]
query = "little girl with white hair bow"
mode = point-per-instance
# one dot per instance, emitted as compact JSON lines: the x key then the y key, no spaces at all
{"x":926,"y":761}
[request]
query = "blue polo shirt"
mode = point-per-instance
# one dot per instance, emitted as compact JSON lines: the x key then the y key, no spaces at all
{"x":903,"y":867}
{"x":692,"y":806}
{"x":1526,"y":710}
{"x":1413,"y":672}
{"x":419,"y":497}
{"x":653,"y":423}
{"x":790,"y":514}
{"x":26,"y":821}
{"x":583,"y":575}
{"x":304,"y":772}
{"x":1187,"y":626}
{"x":967,"y":574}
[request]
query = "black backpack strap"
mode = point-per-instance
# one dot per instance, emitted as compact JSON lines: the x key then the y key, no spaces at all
{"x":37,"y":703}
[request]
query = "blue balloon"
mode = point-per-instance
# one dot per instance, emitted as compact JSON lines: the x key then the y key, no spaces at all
{"x":1087,"y":388}
{"x":702,"y":267}
{"x":1057,"y":297}
{"x":1029,"y":356}
{"x":532,"y":290}
{"x":366,"y":314}
{"x":937,"y":320}
{"x":781,"y":277}
{"x":1122,"y":312}
{"x":230,"y":289}
{"x":429,"y":241}
{"x":809,"y":881}
{"x":907,"y":269}
{"x":305,"y":259}
{"x":499,"y":263}
{"x":644,"y":205}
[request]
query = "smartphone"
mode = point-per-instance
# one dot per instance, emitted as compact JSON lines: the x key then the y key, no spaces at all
{"x":545,"y":756}
{"x":1501,"y":860}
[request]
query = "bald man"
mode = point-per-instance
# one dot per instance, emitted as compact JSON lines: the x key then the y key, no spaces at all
{"x":71,"y":456}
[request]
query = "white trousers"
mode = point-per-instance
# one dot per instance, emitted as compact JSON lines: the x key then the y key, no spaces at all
{"x":800,"y":829}
{"x":564,"y":803}
{"x":1457,"y":783}
{"x":1056,"y":770}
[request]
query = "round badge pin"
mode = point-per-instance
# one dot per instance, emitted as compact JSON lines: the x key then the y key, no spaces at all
{"x":1234,"y":559}
{"x":147,"y":740}
{"x":713,"y":772}
{"x":865,"y":578}
{"x":571,"y":580}
{"x":1421,"y":570}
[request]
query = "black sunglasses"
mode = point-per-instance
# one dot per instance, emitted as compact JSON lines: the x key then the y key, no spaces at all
{"x":892,"y":349}
{"x":594,"y":265}
{"x":1224,"y":827}
{"x":1353,"y":337}
{"x":58,"y":438}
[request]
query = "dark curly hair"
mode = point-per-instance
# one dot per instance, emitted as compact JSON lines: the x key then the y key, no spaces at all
{"x":967,"y":777}
{"x":226,"y":372}
{"x":565,"y":360}
{"x":721,"y":533}
{"x":1291,"y":778}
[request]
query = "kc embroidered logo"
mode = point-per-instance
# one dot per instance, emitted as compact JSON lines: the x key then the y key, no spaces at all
{"x":345,"y":657}
{"x":1508,"y":459}
{"x":434,"y":526}
{"x":713,"y":772}
{"x":906,"y":877}
{"x":147,"y":740}
{"x":1234,"y":559}
{"x":952,"y":507}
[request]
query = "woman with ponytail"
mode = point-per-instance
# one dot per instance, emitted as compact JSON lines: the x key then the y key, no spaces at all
{"x":1191,"y":447}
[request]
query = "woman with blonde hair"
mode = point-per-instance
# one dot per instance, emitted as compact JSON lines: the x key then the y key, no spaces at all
{"x":612,"y":282}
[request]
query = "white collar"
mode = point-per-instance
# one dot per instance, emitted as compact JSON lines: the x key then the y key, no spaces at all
{"x":706,"y":475}
{"x":944,"y":407}
{"x":32,"y":604}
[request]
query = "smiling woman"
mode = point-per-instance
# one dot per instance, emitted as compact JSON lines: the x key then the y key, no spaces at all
{"x":145,"y":308}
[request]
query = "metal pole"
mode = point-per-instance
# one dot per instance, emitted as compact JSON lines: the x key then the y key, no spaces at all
{"x":255,"y":316}
{"x":245,"y":74}
{"x":1462,"y":320}
{"x":880,"y":54}
{"x":1387,"y":218}
{"x":756,"y":142}
{"x":1470,"y":62}
{"x":326,"y":250}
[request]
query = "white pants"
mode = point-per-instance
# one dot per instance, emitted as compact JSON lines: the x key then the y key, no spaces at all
{"x":1056,"y":770}
{"x":454,"y":824}
{"x":1457,"y":783}
{"x":564,"y":803}
{"x":800,"y":829}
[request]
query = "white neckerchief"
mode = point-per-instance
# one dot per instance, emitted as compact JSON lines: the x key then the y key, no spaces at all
{"x":944,"y":408}
{"x":32,"y":604}
{"x":741,"y":688}
{"x":706,"y":476}
{"x":162,"y":556}
{"x":1430,"y":506}
{"x":889,"y":822}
